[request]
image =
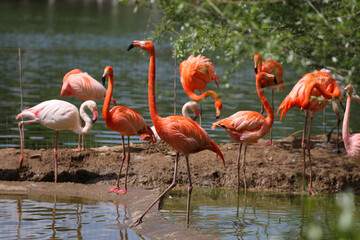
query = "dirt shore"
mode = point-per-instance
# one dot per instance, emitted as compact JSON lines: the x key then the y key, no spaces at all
{"x":90,"y":173}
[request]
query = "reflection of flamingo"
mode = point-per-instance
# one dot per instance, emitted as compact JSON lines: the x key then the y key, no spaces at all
{"x":300,"y":97}
{"x":82,"y":86}
{"x":195,"y":74}
{"x":193,"y":107}
{"x":247,"y":126}
{"x":123,"y":120}
{"x":351,"y":141}
{"x":58,"y":115}
{"x":181,"y":133}
{"x":272,"y":67}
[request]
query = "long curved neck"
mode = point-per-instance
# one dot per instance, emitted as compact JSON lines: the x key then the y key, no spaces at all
{"x":345,"y":128}
{"x":184,"y":110}
{"x":206,"y":94}
{"x":267,"y":106}
{"x":106,"y":107}
{"x":324,"y":93}
{"x":151,"y":88}
{"x":87,"y":120}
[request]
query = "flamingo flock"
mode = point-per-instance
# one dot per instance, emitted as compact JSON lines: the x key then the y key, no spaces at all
{"x":310,"y":94}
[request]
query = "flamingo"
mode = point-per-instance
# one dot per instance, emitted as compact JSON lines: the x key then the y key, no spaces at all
{"x":181,"y":133}
{"x":123,"y":120}
{"x":272,"y":67}
{"x":195,"y":74}
{"x":84,"y":87}
{"x":312,"y":84}
{"x":190,"y":104}
{"x":248,"y":127}
{"x":58,"y":115}
{"x":351,"y":141}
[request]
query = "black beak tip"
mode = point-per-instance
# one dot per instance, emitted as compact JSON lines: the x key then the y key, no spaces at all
{"x":130,"y":47}
{"x":256,"y":71}
{"x":93,"y":121}
{"x":103,"y":81}
{"x":276,"y":82}
{"x":217,"y":117}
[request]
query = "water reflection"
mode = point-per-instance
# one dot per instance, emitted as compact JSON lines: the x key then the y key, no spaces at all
{"x":59,"y":217}
{"x":220,"y":212}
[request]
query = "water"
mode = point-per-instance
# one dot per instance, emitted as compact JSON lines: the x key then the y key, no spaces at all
{"x":58,"y":36}
{"x":219,"y":212}
{"x":25,"y":216}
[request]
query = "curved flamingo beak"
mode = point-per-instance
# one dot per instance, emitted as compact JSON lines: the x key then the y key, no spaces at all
{"x":130,"y":46}
{"x":95,"y":115}
{"x":103,"y":80}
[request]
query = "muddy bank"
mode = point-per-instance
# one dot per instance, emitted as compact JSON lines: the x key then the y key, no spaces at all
{"x":277,"y":168}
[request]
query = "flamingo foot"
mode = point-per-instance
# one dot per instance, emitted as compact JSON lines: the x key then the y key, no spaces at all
{"x":137,"y":222}
{"x":78,"y":149}
{"x":122,"y":191}
{"x":115,"y":189}
{"x":269,"y":144}
{"x":311,"y":192}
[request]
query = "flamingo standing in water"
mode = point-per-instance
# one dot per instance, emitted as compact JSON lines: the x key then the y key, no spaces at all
{"x":181,"y":133}
{"x":189,"y":105}
{"x":123,"y":120}
{"x":247,"y":126}
{"x":58,"y":115}
{"x":195,"y":74}
{"x":272,"y":67}
{"x":351,"y":141}
{"x":84,"y":87}
{"x":316,"y":84}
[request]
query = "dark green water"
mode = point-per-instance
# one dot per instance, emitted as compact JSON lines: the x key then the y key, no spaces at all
{"x":219,"y":212}
{"x":25,"y":216}
{"x":58,"y":36}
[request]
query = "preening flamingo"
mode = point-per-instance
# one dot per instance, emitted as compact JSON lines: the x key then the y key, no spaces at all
{"x":181,"y":133}
{"x":84,"y":87}
{"x":247,"y":126}
{"x":272,"y":67}
{"x":312,"y":84}
{"x":351,"y":141}
{"x":58,"y":115}
{"x":123,"y":120}
{"x":189,"y":105}
{"x":195,"y":74}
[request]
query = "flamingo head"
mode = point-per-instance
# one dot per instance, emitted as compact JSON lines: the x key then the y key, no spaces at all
{"x":348,"y":90}
{"x":145,"y":45}
{"x":145,"y":137}
{"x":218,"y":107}
{"x":193,"y":107}
{"x":257,"y":60}
{"x":108,"y":71}
{"x":92,"y":106}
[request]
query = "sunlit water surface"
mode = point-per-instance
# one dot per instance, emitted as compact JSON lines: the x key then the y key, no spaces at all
{"x":60,"y":217}
{"x":219,"y":212}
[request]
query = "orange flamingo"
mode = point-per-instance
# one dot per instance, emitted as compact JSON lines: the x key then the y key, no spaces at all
{"x":312,"y":84}
{"x":82,"y":86}
{"x":351,"y":141}
{"x":181,"y":133}
{"x":195,"y":74}
{"x":247,"y":126}
{"x":58,"y":115}
{"x":123,"y":120}
{"x":272,"y":67}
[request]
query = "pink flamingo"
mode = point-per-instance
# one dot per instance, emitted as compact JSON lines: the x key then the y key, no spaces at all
{"x":315,"y":84}
{"x":84,"y":87}
{"x":181,"y":133}
{"x":189,"y":105}
{"x":351,"y":141}
{"x":272,"y":67}
{"x":123,"y":120}
{"x":247,"y":126}
{"x":58,"y":115}
{"x":195,"y":74}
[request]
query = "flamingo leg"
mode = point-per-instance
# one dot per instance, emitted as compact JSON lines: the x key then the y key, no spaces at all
{"x":189,"y":190}
{"x":123,"y":191}
{"x":243,"y":167}
{"x":200,"y":113}
{"x":172,"y":185}
{"x":116,"y":188}
{"x":303,"y":147}
{"x":55,"y":155}
{"x":21,"y":132}
{"x":262,"y":110}
{"x":238,"y":169}
{"x":81,"y":139}
{"x":308,"y":147}
{"x":270,"y":143}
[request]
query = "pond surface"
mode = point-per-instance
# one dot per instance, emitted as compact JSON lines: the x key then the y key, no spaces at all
{"x":219,"y":212}
{"x":25,"y":216}
{"x":55,"y":37}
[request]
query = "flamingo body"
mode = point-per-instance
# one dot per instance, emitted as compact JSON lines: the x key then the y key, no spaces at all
{"x":270,"y":66}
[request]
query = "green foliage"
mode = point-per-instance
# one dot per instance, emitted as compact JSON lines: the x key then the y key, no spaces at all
{"x":308,"y":34}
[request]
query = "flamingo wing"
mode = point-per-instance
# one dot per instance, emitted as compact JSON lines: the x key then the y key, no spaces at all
{"x":85,"y":87}
{"x":273,"y":67}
